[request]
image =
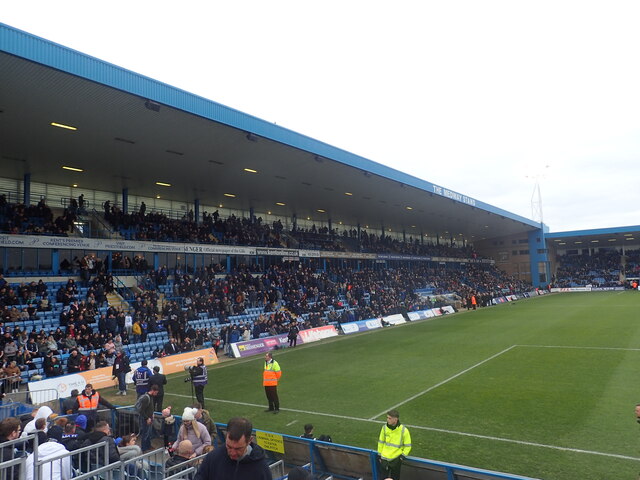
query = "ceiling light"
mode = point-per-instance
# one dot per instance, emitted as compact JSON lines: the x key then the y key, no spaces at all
{"x":612,"y":239}
{"x":308,"y":218}
{"x":62,"y":125}
{"x":268,"y":213}
{"x":220,"y":206}
{"x":630,"y":238}
{"x":409,"y":208}
{"x":75,"y":185}
{"x":163,"y":184}
{"x":348,"y":194}
{"x":158,"y":196}
{"x":230,"y":195}
{"x":562,"y":243}
{"x":281,"y":204}
{"x":321,"y":210}
{"x":628,"y":234}
{"x":577,"y":243}
{"x":250,"y":170}
{"x":73,"y":169}
{"x":597,"y":241}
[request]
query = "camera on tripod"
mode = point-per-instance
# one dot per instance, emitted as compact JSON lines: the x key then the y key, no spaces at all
{"x":192,"y":373}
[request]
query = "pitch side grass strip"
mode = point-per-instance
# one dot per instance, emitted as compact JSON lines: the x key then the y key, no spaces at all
{"x":431,"y":429}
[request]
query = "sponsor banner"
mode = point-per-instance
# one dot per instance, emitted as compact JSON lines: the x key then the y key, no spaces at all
{"x":421,"y":315}
{"x":571,"y":289}
{"x":361,"y":325}
{"x":259,"y":345}
{"x":74,"y":243}
{"x":315,"y":334}
{"x":277,"y":252}
{"x":448,"y":309}
{"x":396,"y":319}
{"x":607,"y":289}
{"x":310,"y":253}
{"x":101,"y":377}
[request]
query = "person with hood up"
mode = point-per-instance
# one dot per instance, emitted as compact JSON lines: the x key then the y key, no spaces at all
{"x":193,"y":431}
{"x":81,"y":424}
{"x":59,"y":469}
{"x":43,"y":412}
{"x":240,"y":458}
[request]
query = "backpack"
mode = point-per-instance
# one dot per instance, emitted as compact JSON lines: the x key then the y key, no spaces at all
{"x":325,"y":438}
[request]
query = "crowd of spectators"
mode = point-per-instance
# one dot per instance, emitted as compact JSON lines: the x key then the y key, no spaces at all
{"x":287,"y":294}
{"x":17,"y":218}
{"x":600,"y":269}
{"x":255,"y":232}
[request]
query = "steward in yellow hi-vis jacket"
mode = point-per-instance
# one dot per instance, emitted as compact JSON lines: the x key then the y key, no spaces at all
{"x":270,"y":377}
{"x":394,"y":445}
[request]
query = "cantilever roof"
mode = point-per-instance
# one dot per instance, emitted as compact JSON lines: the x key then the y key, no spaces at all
{"x":133,"y":131}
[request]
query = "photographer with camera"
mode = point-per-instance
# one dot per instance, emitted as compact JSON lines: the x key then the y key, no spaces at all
{"x":199,"y":378}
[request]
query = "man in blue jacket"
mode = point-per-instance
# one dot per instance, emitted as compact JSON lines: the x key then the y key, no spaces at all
{"x":142,"y":377}
{"x":238,"y":459}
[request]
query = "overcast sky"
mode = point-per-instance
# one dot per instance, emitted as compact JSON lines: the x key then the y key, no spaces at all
{"x":481,"y":97}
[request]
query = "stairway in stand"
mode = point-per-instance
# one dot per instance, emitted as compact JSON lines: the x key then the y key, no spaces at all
{"x":115,"y":300}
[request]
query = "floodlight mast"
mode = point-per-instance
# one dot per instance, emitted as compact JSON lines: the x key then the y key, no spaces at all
{"x":536,"y":196}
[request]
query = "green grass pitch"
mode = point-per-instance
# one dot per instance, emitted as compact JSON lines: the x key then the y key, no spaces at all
{"x":544,"y":387}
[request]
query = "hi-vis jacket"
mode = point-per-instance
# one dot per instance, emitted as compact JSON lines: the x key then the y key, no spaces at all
{"x":393,"y":443}
{"x":271,"y":374}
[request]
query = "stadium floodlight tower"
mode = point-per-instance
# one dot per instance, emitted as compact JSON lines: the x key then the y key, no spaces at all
{"x":536,"y":196}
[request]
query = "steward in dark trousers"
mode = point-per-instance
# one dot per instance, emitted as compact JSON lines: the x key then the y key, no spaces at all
{"x":270,"y":377}
{"x":293,"y":334}
{"x":160,"y":380}
{"x":200,"y":379}
{"x":394,"y":444}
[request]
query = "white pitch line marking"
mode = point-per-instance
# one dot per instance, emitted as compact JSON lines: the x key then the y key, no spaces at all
{"x":433,"y":387}
{"x":431,"y":429}
{"x":578,"y":347}
{"x":291,"y":423}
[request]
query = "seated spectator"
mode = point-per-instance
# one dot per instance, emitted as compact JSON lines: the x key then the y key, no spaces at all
{"x":128,"y":448}
{"x":184,"y":453}
{"x":54,"y":369}
{"x":12,"y":376}
{"x":74,"y":362}
{"x":193,"y":431}
{"x":9,"y":430}
{"x":100,"y":433}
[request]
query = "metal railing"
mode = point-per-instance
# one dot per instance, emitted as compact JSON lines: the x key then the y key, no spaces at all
{"x":14,"y":465}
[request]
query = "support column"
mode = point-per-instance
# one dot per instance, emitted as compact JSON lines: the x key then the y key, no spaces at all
{"x":125,"y":200}
{"x":26,"y":189}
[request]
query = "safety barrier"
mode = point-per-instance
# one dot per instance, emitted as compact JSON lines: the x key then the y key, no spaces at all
{"x":12,"y":465}
{"x":347,"y":462}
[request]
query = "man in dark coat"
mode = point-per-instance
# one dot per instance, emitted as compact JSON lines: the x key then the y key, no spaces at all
{"x":160,"y":380}
{"x":239,"y":458}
